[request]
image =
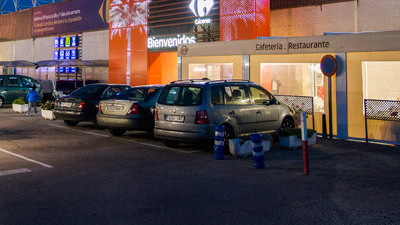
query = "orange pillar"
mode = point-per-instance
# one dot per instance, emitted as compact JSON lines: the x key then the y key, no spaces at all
{"x":128,"y":42}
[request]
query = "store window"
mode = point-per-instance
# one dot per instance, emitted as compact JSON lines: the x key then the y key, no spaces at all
{"x":381,"y":80}
{"x":297,"y":79}
{"x":212,"y":71}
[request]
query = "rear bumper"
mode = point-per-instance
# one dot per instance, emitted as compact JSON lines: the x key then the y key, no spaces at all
{"x":123,"y":122}
{"x":72,"y":115}
{"x":190,"y":135}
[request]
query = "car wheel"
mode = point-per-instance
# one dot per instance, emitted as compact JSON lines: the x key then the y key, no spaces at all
{"x":1,"y":102}
{"x":170,"y":144}
{"x":229,"y":134}
{"x":287,"y":123}
{"x":116,"y":132}
{"x":71,"y":123}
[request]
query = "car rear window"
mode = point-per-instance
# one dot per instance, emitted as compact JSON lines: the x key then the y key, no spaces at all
{"x":181,"y":95}
{"x":89,"y":91}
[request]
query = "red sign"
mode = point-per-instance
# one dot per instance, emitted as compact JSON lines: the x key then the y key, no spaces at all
{"x":328,"y":65}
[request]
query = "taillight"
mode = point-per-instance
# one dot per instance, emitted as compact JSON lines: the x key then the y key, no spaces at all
{"x":100,"y":110}
{"x":156,"y":114}
{"x":134,"y":109}
{"x":201,"y":117}
{"x":82,"y":105}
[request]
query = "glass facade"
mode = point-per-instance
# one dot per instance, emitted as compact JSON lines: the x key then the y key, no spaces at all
{"x":212,"y":71}
{"x":299,"y":79}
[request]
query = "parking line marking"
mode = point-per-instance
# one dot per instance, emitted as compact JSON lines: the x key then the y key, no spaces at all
{"x":120,"y":139}
{"x":26,"y":158}
{"x":16,"y":171}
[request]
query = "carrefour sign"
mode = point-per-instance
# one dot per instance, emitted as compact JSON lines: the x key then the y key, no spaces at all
{"x":169,"y":42}
{"x":201,"y":8}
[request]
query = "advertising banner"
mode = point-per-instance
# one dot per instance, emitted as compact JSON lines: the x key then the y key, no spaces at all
{"x":70,"y":16}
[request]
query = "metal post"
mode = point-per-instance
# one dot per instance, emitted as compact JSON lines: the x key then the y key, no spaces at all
{"x":366,"y":122}
{"x":304,"y":138}
{"x":324,"y":134}
{"x":330,"y":107}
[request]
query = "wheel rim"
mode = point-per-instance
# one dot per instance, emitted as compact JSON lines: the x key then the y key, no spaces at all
{"x":287,"y":124}
{"x":1,"y":102}
{"x":228,"y":134}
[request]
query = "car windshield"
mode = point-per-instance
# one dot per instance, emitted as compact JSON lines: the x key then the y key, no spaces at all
{"x":181,"y":95}
{"x":89,"y":91}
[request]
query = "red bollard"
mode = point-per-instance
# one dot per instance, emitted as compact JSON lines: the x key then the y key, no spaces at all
{"x":304,"y":138}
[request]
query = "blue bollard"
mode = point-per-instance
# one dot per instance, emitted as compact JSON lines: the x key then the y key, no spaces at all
{"x":258,"y":153}
{"x":219,"y":142}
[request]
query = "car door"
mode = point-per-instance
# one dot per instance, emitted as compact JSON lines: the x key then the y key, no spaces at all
{"x":27,"y":83}
{"x":238,"y":108}
{"x":266,"y":109}
{"x":13,"y":89}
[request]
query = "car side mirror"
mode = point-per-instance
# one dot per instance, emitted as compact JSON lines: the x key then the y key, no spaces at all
{"x":270,"y":102}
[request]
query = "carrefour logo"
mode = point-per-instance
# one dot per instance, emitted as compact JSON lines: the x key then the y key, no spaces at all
{"x":201,"y":8}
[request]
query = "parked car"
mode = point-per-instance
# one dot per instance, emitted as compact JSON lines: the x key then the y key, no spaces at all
{"x":82,"y":104}
{"x":15,"y":86}
{"x":67,"y":86}
{"x":132,"y":109}
{"x":188,"y":111}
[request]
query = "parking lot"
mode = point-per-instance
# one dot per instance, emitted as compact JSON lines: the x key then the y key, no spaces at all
{"x":54,"y":174}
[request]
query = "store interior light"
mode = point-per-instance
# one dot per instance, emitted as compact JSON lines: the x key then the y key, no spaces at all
{"x":200,"y":69}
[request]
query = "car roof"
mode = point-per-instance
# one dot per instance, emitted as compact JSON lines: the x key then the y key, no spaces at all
{"x":148,"y":86}
{"x":204,"y":81}
{"x":104,"y":84}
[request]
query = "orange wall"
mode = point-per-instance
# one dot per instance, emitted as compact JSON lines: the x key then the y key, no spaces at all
{"x":162,"y":67}
{"x":244,"y":20}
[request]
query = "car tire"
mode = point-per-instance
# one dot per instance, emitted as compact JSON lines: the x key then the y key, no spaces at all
{"x":287,"y":123}
{"x":71,"y":123}
{"x":229,"y":134}
{"x":1,"y":102}
{"x":116,"y":132}
{"x":170,"y":143}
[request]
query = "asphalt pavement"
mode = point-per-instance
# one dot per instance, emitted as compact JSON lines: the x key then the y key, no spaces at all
{"x":82,"y":175}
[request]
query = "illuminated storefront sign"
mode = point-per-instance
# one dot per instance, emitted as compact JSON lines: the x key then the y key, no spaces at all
{"x":169,"y":42}
{"x":202,"y":21}
{"x":201,"y":8}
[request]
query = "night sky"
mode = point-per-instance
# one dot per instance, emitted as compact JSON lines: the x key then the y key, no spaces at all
{"x":7,"y":6}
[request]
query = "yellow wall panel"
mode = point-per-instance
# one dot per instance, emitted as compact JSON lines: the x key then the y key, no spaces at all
{"x":356,"y":120}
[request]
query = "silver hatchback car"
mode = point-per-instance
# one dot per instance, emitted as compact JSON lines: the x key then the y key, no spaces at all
{"x":188,"y":111}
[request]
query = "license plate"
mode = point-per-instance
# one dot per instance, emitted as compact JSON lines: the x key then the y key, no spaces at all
{"x":66,"y":104}
{"x":114,"y":108}
{"x":174,"y":118}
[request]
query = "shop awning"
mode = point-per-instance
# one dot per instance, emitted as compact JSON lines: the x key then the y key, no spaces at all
{"x":17,"y":63}
{"x":75,"y":63}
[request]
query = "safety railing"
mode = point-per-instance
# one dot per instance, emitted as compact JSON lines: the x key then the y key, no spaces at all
{"x":299,"y":104}
{"x":387,"y":110}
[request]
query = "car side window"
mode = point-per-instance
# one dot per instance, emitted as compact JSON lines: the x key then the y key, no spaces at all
{"x":112,"y":91}
{"x":12,"y":82}
{"x":27,"y":82}
{"x":217,"y":95}
{"x":260,"y":96}
{"x":237,"y":95}
{"x":1,"y":81}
